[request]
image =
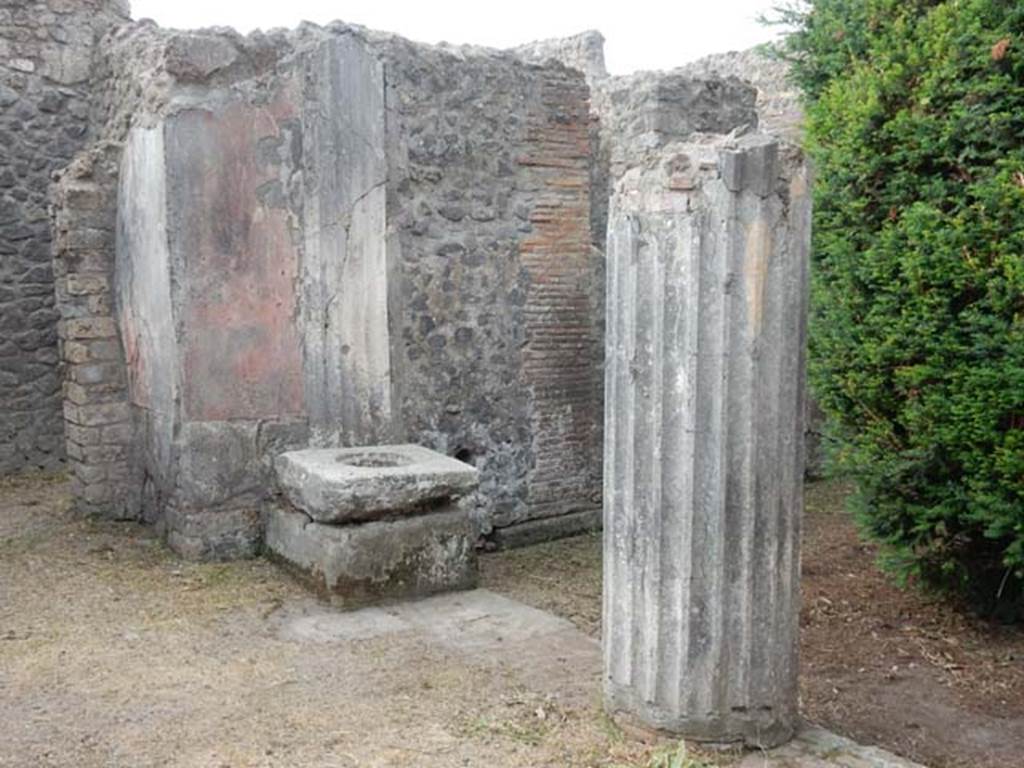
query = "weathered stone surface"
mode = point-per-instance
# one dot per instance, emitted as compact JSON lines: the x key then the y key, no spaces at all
{"x":334,"y":485}
{"x":652,"y":108}
{"x":583,"y":52}
{"x":779,"y":110}
{"x":814,"y":747}
{"x":206,"y":534}
{"x":217,"y":464}
{"x":196,"y":57}
{"x":547,"y":529}
{"x":377,"y":561}
{"x":382,"y":260}
{"x":99,"y":428}
{"x":44,"y":96}
{"x":636,"y":114}
{"x":344,"y":269}
{"x":704,"y":439}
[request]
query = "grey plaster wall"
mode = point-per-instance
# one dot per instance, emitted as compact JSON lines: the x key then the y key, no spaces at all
{"x":46,"y":53}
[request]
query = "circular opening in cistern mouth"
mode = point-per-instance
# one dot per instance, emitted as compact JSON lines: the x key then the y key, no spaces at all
{"x":373,"y":459}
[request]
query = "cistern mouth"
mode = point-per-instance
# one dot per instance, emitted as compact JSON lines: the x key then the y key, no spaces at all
{"x":373,"y":459}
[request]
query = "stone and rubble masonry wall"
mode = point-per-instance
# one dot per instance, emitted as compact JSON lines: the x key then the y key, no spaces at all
{"x":422,"y":230}
{"x":260,"y":197}
{"x":778,"y":107}
{"x":583,"y":52}
{"x":779,"y":110}
{"x":46,"y":53}
{"x":497,"y":292}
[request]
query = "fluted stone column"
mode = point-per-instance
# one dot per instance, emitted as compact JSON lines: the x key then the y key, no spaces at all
{"x":707,"y":296}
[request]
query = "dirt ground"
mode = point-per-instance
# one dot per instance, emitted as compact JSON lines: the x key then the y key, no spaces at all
{"x":115,"y":653}
{"x":880,"y":664}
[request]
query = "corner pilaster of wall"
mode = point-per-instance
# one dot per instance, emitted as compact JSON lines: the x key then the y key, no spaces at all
{"x":98,"y":419}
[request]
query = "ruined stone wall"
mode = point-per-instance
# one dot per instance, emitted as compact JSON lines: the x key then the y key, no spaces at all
{"x":583,"y":52}
{"x":497,"y":308}
{"x":46,"y":54}
{"x":620,"y":103}
{"x":337,"y":237}
{"x":779,"y":110}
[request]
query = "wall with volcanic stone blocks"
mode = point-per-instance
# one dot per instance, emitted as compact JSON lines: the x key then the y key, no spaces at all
{"x":46,"y":52}
{"x":334,"y":237}
{"x":495,"y":290}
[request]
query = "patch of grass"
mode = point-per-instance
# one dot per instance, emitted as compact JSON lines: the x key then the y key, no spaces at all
{"x":673,"y":756}
{"x":14,"y":546}
{"x":608,"y":725}
{"x":525,"y":717}
{"x":528,"y":733}
{"x":32,"y":479}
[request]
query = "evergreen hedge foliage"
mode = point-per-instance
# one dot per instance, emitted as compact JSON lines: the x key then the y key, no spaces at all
{"x":916,"y":130}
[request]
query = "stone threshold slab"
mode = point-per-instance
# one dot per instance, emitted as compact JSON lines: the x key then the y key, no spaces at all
{"x":548,"y":653}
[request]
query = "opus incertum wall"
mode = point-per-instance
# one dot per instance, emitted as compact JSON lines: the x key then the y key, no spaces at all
{"x":340,"y":239}
{"x":46,"y":57}
{"x":332,"y":237}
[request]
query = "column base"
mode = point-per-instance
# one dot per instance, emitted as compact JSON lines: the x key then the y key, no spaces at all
{"x":758,"y":728}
